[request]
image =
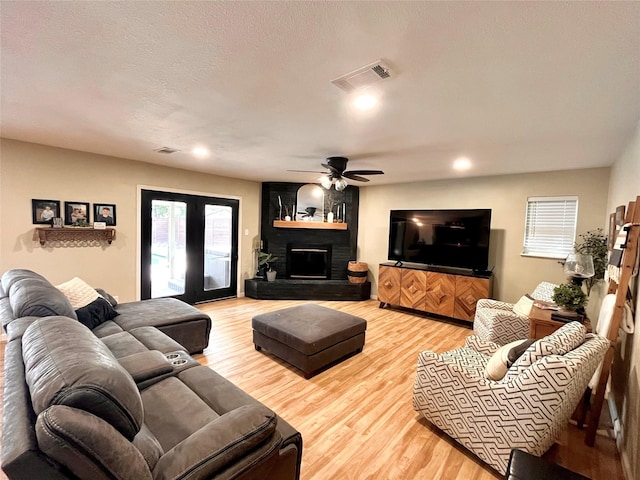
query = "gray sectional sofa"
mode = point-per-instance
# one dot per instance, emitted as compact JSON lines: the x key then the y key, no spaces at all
{"x":125,"y":400}
{"x":25,"y":294}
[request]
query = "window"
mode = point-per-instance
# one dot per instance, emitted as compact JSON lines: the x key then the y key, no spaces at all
{"x":550,"y":226}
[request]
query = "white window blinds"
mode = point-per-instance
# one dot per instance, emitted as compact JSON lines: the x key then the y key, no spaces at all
{"x":550,"y":226}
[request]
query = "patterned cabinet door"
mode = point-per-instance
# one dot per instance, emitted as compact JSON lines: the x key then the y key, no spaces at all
{"x":389,"y":285}
{"x":468,"y":291}
{"x":414,"y":286}
{"x":440,"y":295}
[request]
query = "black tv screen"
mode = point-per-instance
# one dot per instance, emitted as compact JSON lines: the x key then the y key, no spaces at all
{"x":449,"y":238}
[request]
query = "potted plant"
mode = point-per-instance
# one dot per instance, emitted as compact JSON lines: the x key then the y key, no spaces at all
{"x":263,"y":265}
{"x":570,"y":297}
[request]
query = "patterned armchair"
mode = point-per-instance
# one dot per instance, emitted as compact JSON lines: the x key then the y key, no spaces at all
{"x":496,"y":321}
{"x":527,"y":409}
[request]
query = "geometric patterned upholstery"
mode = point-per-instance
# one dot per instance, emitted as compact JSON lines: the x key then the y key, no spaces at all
{"x":496,"y":321}
{"x":526,"y":410}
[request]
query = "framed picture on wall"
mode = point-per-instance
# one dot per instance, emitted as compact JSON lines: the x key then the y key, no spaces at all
{"x":620,"y":215}
{"x":612,"y":230}
{"x":76,"y":213}
{"x":44,"y":211}
{"x":105,"y":212}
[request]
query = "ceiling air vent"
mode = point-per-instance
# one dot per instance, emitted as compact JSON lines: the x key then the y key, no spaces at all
{"x":166,"y":150}
{"x":363,"y":76}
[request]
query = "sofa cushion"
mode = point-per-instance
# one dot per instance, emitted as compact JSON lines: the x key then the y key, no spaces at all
{"x":218,"y":445}
{"x":65,"y":364}
{"x":33,"y":296}
{"x":91,"y":308}
{"x":11,"y":276}
{"x":94,"y":450}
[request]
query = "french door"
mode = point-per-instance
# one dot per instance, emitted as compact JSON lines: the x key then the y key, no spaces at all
{"x":189,"y":246}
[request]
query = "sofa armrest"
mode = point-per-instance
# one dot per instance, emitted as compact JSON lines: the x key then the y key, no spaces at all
{"x":145,"y":365}
{"x":221,"y":443}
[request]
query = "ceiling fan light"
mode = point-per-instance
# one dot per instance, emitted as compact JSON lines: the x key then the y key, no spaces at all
{"x":341,"y":184}
{"x":326,"y":181}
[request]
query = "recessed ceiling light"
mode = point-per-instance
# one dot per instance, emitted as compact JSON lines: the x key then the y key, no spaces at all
{"x":462,"y":163}
{"x":200,"y":152}
{"x":365,"y":101}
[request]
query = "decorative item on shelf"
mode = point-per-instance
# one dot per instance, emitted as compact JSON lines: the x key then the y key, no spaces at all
{"x":571,"y":299}
{"x":80,"y":223}
{"x":99,"y":225}
{"x":594,"y":243}
{"x":579,"y":267}
{"x":330,"y":217}
{"x":357,"y":272}
{"x":271,"y":275}
{"x":263,"y":264}
{"x":57,"y":222}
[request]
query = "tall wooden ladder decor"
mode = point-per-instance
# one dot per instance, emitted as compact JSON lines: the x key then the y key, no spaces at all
{"x":620,"y":289}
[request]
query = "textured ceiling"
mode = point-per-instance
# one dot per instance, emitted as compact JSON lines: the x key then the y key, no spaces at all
{"x":515,"y":86}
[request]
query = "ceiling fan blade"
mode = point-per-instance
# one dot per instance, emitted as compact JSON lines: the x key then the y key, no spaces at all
{"x":355,"y":177}
{"x":365,"y":172}
{"x":306,"y":171}
{"x":332,"y":168}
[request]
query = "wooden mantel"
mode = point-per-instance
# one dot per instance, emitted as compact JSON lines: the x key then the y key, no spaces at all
{"x":74,"y":234}
{"x":316,"y":225}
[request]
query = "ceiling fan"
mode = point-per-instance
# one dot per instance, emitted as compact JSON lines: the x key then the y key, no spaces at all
{"x":337,"y":173}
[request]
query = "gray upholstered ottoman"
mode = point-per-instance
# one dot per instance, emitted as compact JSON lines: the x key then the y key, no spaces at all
{"x":309,"y":336}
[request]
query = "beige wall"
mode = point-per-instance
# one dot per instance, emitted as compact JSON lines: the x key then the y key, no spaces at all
{"x":506,"y":196}
{"x":36,"y":171}
{"x":624,"y":187}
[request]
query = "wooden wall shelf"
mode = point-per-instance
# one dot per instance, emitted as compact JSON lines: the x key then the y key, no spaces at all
{"x":311,"y":225}
{"x":77,"y":234}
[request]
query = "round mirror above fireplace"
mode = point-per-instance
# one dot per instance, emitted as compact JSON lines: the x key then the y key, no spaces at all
{"x":310,"y":204}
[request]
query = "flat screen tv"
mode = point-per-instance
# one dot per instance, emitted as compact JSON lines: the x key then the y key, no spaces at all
{"x":448,"y":238}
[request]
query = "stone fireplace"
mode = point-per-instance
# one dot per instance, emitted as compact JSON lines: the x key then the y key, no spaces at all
{"x":308,"y":261}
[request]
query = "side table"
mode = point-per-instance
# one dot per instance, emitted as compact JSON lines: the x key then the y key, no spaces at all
{"x":541,"y":325}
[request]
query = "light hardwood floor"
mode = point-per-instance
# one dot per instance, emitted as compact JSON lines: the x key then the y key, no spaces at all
{"x":356,"y":418}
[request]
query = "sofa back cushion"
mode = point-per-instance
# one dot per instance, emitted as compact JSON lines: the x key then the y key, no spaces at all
{"x":30,"y":294}
{"x":65,"y":364}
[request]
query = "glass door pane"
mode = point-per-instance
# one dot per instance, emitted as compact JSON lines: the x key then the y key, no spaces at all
{"x":168,"y":248}
{"x":217,"y":246}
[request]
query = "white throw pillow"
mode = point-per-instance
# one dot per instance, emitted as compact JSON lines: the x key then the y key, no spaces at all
{"x":78,"y":292}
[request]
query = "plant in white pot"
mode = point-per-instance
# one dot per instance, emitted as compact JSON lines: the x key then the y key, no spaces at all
{"x":264,"y":269}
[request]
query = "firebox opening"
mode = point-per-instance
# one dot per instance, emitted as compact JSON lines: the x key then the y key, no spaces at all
{"x":309,"y":261}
